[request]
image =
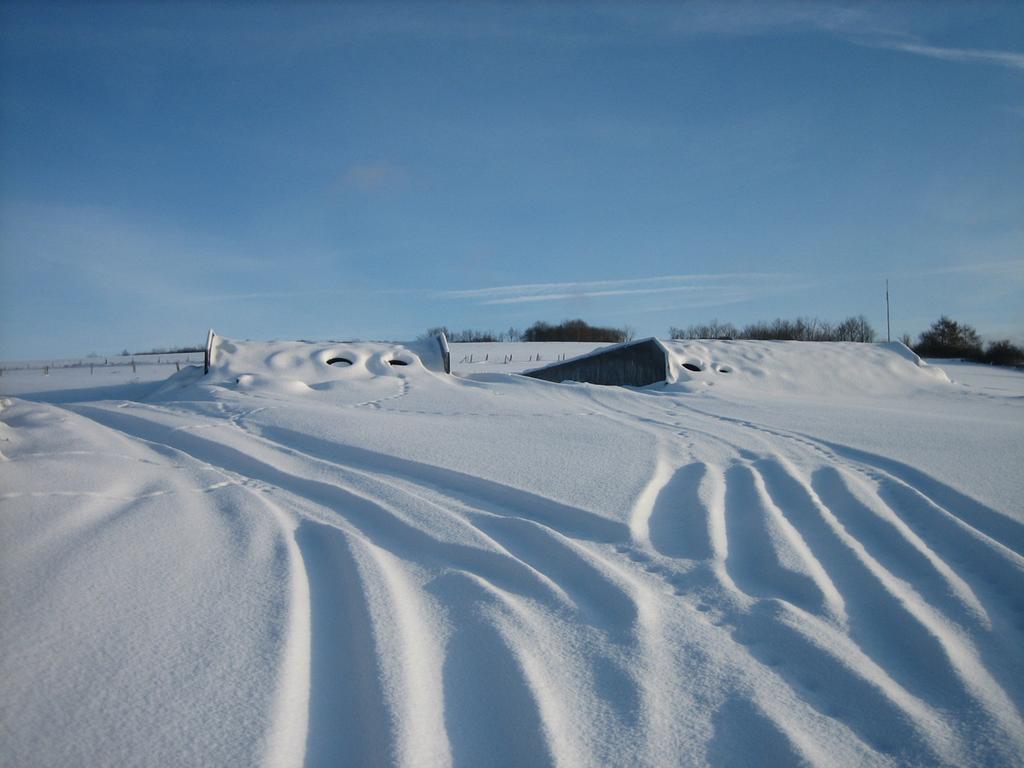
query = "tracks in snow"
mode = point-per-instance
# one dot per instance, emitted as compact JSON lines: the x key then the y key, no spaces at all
{"x":833,"y":564}
{"x":874,"y":603}
{"x":499,"y":563}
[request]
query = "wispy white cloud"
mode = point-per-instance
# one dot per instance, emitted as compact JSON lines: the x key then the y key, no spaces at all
{"x":1011,"y":59}
{"x":713,"y":288}
{"x":591,"y":294}
{"x":884,"y":26}
{"x":593,"y":284}
{"x":896,"y":26}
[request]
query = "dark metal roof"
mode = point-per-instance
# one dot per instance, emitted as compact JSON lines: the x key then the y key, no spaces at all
{"x":633,"y":364}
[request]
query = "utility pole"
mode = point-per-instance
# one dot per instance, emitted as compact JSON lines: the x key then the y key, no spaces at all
{"x":888,"y":327}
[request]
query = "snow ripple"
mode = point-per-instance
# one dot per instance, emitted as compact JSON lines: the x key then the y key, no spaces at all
{"x":769,"y":598}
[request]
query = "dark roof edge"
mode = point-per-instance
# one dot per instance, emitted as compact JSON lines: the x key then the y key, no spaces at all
{"x":601,"y":351}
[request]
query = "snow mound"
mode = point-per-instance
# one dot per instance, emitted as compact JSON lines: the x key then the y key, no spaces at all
{"x":311,"y":557}
{"x":798,"y":367}
{"x":305,"y":368}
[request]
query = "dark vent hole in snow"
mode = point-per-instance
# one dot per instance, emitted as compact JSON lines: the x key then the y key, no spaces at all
{"x":724,"y":369}
{"x":339,"y":361}
{"x":397,"y":362}
{"x":691,"y":367}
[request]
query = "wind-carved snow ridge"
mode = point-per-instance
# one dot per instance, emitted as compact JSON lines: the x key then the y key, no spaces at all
{"x":814,"y":558}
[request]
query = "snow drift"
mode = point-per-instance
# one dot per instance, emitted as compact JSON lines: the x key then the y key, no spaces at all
{"x":813,"y":557}
{"x":791,"y":367}
{"x":801,"y":367}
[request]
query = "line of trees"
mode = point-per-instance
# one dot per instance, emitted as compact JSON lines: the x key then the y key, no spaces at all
{"x":575,"y":330}
{"x":948,"y":338}
{"x":944,"y":338}
{"x":471,"y":335}
{"x":855,"y":328}
{"x":568,"y":330}
{"x":166,"y":351}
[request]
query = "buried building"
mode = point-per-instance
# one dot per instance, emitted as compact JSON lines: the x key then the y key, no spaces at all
{"x":633,"y":364}
{"x":334,"y":369}
{"x":786,"y":367}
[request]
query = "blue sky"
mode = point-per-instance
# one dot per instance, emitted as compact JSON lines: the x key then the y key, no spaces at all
{"x":370,"y":170}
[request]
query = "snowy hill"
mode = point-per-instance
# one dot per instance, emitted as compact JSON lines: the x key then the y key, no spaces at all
{"x":795,"y":554}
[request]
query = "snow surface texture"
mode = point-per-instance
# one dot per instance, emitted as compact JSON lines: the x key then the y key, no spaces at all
{"x":814,"y":558}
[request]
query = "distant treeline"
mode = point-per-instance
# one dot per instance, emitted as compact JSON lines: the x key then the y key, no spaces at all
{"x":568,"y":330}
{"x":948,"y":338}
{"x":167,"y":351}
{"x":944,"y":338}
{"x":801,"y":329}
{"x":575,"y":330}
{"x":472,"y":335}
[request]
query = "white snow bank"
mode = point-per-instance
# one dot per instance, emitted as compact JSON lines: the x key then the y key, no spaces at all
{"x":338,"y":372}
{"x":800,"y":367}
{"x":318,"y":362}
{"x":387,"y":566}
{"x":147,"y":604}
{"x":764,"y":367}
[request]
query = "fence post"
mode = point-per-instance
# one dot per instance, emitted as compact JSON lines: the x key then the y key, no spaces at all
{"x":208,"y":354}
{"x":446,"y":352}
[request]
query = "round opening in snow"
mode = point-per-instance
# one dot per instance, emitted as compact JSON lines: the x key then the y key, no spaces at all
{"x":339,"y":361}
{"x":397,"y":362}
{"x":724,"y":369}
{"x":692,"y":367}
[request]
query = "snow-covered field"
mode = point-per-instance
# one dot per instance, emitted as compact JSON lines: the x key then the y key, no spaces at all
{"x":800,"y":554}
{"x":63,"y":379}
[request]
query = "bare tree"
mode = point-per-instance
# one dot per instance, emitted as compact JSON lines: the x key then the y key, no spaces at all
{"x":801,"y":329}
